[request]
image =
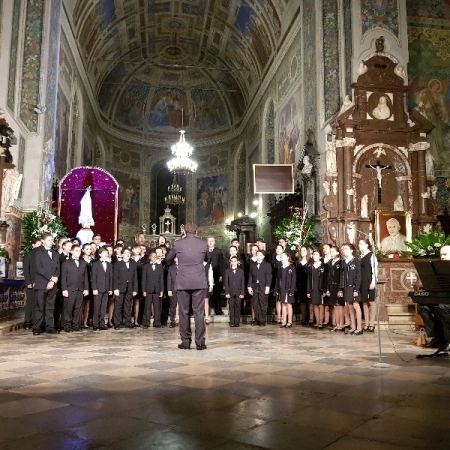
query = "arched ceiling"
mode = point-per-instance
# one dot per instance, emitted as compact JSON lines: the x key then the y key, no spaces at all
{"x":149,"y":60}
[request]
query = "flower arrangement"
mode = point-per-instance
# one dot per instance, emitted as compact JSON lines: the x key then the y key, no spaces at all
{"x":297,"y":230}
{"x":427,"y":245}
{"x":43,"y":220}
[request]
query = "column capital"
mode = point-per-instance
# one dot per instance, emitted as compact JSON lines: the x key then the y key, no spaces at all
{"x":346,"y":142}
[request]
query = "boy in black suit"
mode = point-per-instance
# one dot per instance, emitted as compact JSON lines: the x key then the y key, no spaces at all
{"x":215,"y":257}
{"x":47,"y":271}
{"x":152,"y":290}
{"x":125,"y":286}
{"x":28,"y":273}
{"x":101,"y":280}
{"x":74,"y":285}
{"x":259,"y":281}
{"x":234,"y":285}
{"x":172,"y":272}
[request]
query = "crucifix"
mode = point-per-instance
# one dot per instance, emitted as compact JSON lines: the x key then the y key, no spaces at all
{"x":378,"y":168}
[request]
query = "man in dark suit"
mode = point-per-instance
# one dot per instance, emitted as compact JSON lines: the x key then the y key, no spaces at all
{"x":74,"y":285}
{"x":125,"y":287}
{"x":28,"y":273}
{"x":172,"y":273}
{"x":215,"y":257}
{"x":101,"y":280}
{"x":259,"y":280}
{"x":190,"y":285}
{"x":47,"y":271}
{"x":234,"y":285}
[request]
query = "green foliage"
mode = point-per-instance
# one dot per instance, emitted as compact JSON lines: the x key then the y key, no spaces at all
{"x":43,"y":220}
{"x":297,"y":230}
{"x":427,"y":245}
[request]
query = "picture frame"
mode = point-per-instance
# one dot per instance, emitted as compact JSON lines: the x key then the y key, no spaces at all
{"x":273,"y":178}
{"x":392,"y":230}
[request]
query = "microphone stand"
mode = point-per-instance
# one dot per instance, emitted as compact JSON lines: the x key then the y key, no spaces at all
{"x":380,"y":364}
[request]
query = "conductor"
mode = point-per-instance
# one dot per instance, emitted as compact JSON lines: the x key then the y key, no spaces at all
{"x":190,"y":285}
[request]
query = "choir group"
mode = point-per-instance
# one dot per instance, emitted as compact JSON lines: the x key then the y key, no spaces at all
{"x":92,"y":285}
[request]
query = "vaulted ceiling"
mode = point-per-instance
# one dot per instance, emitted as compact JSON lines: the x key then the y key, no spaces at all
{"x":150,"y":60}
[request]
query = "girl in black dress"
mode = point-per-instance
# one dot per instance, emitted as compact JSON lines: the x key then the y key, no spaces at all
{"x":276,"y":265}
{"x":286,"y":282}
{"x":336,"y":298}
{"x":251,"y":259}
{"x":351,"y":283}
{"x":317,"y":286}
{"x":302,"y":281}
{"x":368,"y":284}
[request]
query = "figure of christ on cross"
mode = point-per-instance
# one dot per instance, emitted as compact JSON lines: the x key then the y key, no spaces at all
{"x":378,"y":167}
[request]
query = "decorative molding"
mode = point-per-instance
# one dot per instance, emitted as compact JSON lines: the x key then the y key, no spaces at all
{"x":346,"y":142}
{"x":419,"y":146}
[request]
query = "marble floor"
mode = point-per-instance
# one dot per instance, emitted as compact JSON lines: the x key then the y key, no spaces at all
{"x":255,"y":387}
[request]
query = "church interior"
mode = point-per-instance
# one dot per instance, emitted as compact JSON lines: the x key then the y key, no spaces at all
{"x":352,"y":95}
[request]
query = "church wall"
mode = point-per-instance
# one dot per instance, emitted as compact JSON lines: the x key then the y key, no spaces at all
{"x":428,"y":72}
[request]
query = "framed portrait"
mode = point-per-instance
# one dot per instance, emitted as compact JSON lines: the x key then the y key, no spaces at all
{"x":392,"y":230}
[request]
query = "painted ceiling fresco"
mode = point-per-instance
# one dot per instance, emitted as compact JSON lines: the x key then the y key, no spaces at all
{"x":157,"y":64}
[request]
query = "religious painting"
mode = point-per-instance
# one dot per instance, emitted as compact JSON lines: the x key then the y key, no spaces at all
{"x":130,"y":190}
{"x":210,"y":111}
{"x":131,"y":105}
{"x":392,"y":230}
{"x":379,"y":14}
{"x":169,"y":109}
{"x":212,"y":200}
{"x":61,"y":134}
{"x":288,"y":133}
{"x":431,"y":98}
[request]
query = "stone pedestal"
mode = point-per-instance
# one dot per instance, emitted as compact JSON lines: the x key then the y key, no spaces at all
{"x":396,"y":307}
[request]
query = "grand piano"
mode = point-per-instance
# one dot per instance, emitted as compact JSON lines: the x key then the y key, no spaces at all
{"x":435,"y":290}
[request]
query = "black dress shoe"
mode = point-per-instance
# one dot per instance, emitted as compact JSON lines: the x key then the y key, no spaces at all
{"x":51,"y":331}
{"x":201,"y":346}
{"x":262,"y":324}
{"x":172,"y":325}
{"x":219,"y":312}
{"x":103,"y":327}
{"x":68,"y":330}
{"x":36,"y":332}
{"x":76,"y":329}
{"x":157,"y":326}
{"x":95,"y":328}
{"x":117,"y":328}
{"x":184,"y":347}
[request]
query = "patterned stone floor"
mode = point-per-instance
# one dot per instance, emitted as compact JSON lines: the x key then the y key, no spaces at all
{"x":255,"y":387}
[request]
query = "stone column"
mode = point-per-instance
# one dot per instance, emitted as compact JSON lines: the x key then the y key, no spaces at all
{"x":349,"y":144}
{"x":421,"y":148}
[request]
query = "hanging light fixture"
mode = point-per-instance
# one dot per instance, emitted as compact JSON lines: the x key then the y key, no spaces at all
{"x":182,"y":163}
{"x":174,"y":196}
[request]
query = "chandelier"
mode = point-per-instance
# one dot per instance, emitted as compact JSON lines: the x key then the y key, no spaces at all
{"x":182,"y":162}
{"x":174,"y":193}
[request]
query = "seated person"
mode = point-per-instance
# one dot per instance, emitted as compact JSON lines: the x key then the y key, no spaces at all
{"x":436,"y":318}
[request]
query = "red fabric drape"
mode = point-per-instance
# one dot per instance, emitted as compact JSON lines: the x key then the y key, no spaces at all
{"x":105,"y":201}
